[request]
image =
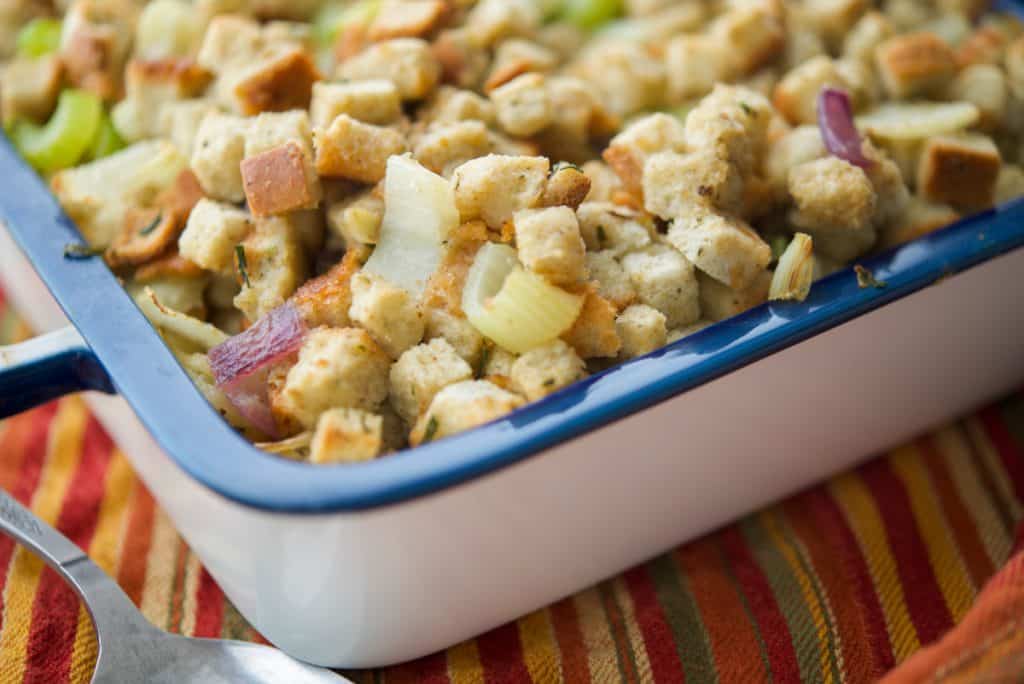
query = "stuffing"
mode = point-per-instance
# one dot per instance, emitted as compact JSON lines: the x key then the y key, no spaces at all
{"x":279,"y":181}
{"x":523,"y":106}
{"x":496,"y":186}
{"x":346,"y":435}
{"x":753,"y":33}
{"x":444,"y":148}
{"x":724,"y":247}
{"x":665,"y":280}
{"x":607,"y":226}
{"x":146,"y":234}
{"x":628,"y":151}
{"x":627,"y":77}
{"x":462,"y":59}
{"x":1014,"y":62}
{"x":515,"y":57}
{"x":228,"y":38}
{"x":549,"y":243}
{"x":354,"y":150}
{"x":149,"y":87}
{"x":673,"y":181}
{"x":30,"y":87}
{"x":576,"y":115}
{"x":497,"y":365}
{"x":593,"y":334}
{"x":179,"y":122}
{"x":356,"y":220}
{"x":984,"y":86}
{"x":407,"y":62}
{"x":457,"y":331}
{"x":960,"y":171}
{"x":604,"y":182}
{"x":281,"y":78}
{"x":733,"y":121}
{"x":372,"y":102}
{"x":94,"y":44}
{"x":796,"y":94}
{"x":677,"y":334}
{"x":544,"y":370}
{"x":801,"y":144}
{"x":325,"y":300}
{"x":567,"y":186}
{"x":493,"y":20}
{"x":870,"y":30}
{"x":217,"y":155}
{"x":641,"y":329}
{"x":336,"y":368}
{"x":211,"y":234}
{"x":461,"y":406}
{"x":920,"y":218}
{"x":694,"y":64}
{"x":1010,"y":183}
{"x":830,"y":193}
{"x":834,"y":19}
{"x":718,"y":301}
{"x":444,"y":289}
{"x":985,"y":45}
{"x":891,"y":191}
{"x":387,"y":312}
{"x":451,"y":105}
{"x":420,"y":373}
{"x":613,"y":283}
{"x":914,"y":64}
{"x":407,"y":19}
{"x":843,"y":245}
{"x":275,"y":266}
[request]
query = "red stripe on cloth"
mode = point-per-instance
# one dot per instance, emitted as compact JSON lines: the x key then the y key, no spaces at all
{"x":24,"y":451}
{"x":925,"y":602}
{"x":209,"y":606}
{"x":501,"y":655}
{"x":658,"y":640}
{"x":566,"y":625}
{"x":55,"y":610}
{"x":833,"y":526}
{"x":770,"y":621}
{"x":131,"y":574}
{"x":1010,"y":452}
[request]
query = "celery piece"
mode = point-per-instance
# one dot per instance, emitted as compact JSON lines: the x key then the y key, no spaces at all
{"x":107,"y":140}
{"x":64,"y":139}
{"x":333,"y":16}
{"x":591,"y":14}
{"x":38,"y":37}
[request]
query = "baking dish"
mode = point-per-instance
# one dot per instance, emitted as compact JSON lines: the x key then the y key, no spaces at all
{"x":375,"y":563}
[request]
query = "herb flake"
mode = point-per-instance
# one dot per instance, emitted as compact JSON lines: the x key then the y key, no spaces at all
{"x":866,"y":278}
{"x":152,"y":225}
{"x":78,"y":250}
{"x":602,"y":236}
{"x":431,"y":430}
{"x":243,"y":266}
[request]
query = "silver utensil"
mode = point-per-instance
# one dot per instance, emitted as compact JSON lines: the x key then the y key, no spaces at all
{"x":132,"y":650}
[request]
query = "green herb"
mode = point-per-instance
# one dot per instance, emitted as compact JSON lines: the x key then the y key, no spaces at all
{"x":485,"y":358}
{"x":549,"y":382}
{"x":151,"y":226}
{"x":747,"y":109}
{"x":77,"y":250}
{"x":243,"y":266}
{"x":431,"y":430}
{"x":866,"y":278}
{"x":779,"y":244}
{"x":602,"y":236}
{"x":561,"y":166}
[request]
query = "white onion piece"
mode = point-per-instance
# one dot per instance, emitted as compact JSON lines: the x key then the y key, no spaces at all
{"x":918,"y":120}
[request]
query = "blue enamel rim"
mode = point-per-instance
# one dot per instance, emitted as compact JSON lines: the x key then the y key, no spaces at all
{"x":145,"y":372}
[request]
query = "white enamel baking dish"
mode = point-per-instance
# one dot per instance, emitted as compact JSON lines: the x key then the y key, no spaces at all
{"x":372,"y":564}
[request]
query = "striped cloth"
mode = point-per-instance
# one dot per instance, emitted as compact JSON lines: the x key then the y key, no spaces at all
{"x":862,"y":576}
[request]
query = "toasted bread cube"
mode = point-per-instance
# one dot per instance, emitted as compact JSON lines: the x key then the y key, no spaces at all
{"x":547,"y":369}
{"x":448,"y":146}
{"x":733,"y":121}
{"x":515,"y":57}
{"x":960,"y":171}
{"x":831,"y":193}
{"x":451,"y":105}
{"x":462,"y":58}
{"x":30,"y":87}
{"x":677,"y":334}
{"x":985,"y":45}
{"x":326,"y":299}
{"x":796,"y":94}
{"x":336,"y":368}
{"x":550,"y":244}
{"x":277,"y":181}
{"x":355,"y":150}
{"x":664,"y":280}
{"x":627,"y":77}
{"x":1010,"y":184}
{"x":574,"y":110}
{"x":211,"y":233}
{"x":867,"y":34}
{"x":372,"y":102}
{"x":179,"y":122}
{"x":834,"y":19}
{"x":345,"y":435}
{"x":753,"y":33}
{"x":275,"y":266}
{"x":407,"y":19}
{"x":725,"y":248}
{"x":497,"y":366}
{"x":594,"y":333}
{"x":273,"y":129}
{"x":228,"y":38}
{"x":914,"y":64}
{"x":920,"y":218}
{"x":801,"y":144}
{"x":567,"y":186}
{"x":94,"y":44}
{"x":387,"y":312}
{"x":891,"y":191}
{"x":719,"y":301}
{"x":462,"y":406}
{"x":420,"y":373}
{"x":496,"y":186}
{"x":458,"y":332}
{"x":642,"y":330}
{"x":280,"y":79}
{"x":356,"y":220}
{"x":493,"y":20}
{"x":606,"y":226}
{"x":984,"y":86}
{"x":522,"y":105}
{"x":627,"y":151}
{"x":843,"y":245}
{"x":672,"y":182}
{"x":406,"y":62}
{"x":151,"y":86}
{"x":613,"y":283}
{"x":217,"y":156}
{"x":604,"y":182}
{"x":694,"y":64}
{"x":1014,"y":62}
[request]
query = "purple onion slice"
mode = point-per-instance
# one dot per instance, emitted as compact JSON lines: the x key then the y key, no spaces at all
{"x":835,"y":120}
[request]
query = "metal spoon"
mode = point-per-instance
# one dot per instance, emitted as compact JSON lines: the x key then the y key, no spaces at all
{"x":133,"y":650}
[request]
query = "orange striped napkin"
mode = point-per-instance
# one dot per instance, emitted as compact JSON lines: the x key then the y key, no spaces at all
{"x":902,"y":568}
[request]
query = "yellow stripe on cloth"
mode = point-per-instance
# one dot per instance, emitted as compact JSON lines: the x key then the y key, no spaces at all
{"x":104,"y":551}
{"x":863,"y":517}
{"x":63,"y":453}
{"x":160,"y":571}
{"x":636,"y":638}
{"x":190,"y":606}
{"x":597,"y":637}
{"x":992,"y":462}
{"x":946,"y":561}
{"x":464,"y":664}
{"x":540,"y":651}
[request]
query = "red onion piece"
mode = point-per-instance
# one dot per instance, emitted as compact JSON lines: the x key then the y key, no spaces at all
{"x":239,"y":364}
{"x":835,"y":120}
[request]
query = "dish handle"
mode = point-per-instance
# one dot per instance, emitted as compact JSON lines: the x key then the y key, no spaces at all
{"x":47,"y":367}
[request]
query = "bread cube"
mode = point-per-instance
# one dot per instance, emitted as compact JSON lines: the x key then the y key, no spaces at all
{"x":796,"y":95}
{"x":1014,"y":62}
{"x":336,"y":368}
{"x":456,"y":331}
{"x":420,"y":373}
{"x":346,"y":435}
{"x":228,"y":38}
{"x":407,"y":19}
{"x":94,"y":44}
{"x":372,"y":102}
{"x":549,"y":243}
{"x":834,"y":19}
{"x":891,"y":191}
{"x":725,"y":248}
{"x":920,"y":218}
{"x":985,"y":45}
{"x":407,"y":62}
{"x":694,"y":64}
{"x":326,"y":299}
{"x":604,"y":182}
{"x":733,"y":121}
{"x":522,"y":105}
{"x":211,"y":234}
{"x":842,"y":245}
{"x":672,"y":182}
{"x":831,"y":193}
{"x":1010,"y":184}
{"x":462,"y":406}
{"x":447,"y":146}
{"x":677,"y":334}
{"x":914,"y":64}
{"x":149,"y":87}
{"x":30,"y":87}
{"x":627,"y":151}
{"x":497,"y":366}
{"x":496,"y":186}
{"x":451,"y":105}
{"x":642,"y":330}
{"x":279,"y":181}
{"x":356,"y":219}
{"x":627,"y":77}
{"x":607,"y":226}
{"x":718,"y":301}
{"x":753,"y":33}
{"x":868,"y":33}
{"x":217,"y":156}
{"x":613,"y":283}
{"x":665,"y":280}
{"x":801,"y":144}
{"x":461,"y":56}
{"x":387,"y":312}
{"x":984,"y":86}
{"x":547,"y":369}
{"x":355,"y":150}
{"x":493,"y":20}
{"x":281,"y":79}
{"x":275,"y":266}
{"x":960,"y":171}
{"x":594,"y":334}
{"x":179,"y":122}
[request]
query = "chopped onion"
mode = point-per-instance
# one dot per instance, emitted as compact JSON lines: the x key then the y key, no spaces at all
{"x":239,"y":364}
{"x":918,"y":120}
{"x":835,"y":120}
{"x":795,"y":272}
{"x":515,"y":308}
